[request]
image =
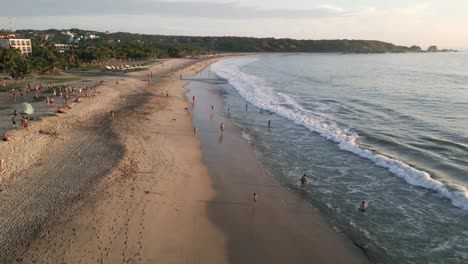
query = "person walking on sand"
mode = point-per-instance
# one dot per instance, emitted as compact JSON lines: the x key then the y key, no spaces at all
{"x":112,"y":115}
{"x":1,"y":164}
{"x":193,"y":99}
{"x":255,"y":198}
{"x":212,"y":108}
{"x":24,"y":122}
{"x":13,"y":121}
{"x":221,"y":127}
{"x":303,"y":181}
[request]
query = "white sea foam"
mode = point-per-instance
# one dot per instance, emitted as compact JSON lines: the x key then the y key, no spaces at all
{"x":256,"y":91}
{"x":246,"y":136}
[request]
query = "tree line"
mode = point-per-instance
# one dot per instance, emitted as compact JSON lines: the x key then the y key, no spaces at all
{"x":121,"y":45}
{"x":46,"y":58}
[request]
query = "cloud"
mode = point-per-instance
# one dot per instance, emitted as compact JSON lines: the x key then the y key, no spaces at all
{"x":229,"y":10}
{"x":334,"y":9}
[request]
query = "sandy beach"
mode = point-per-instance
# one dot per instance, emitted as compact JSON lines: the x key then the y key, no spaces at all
{"x":144,"y":189}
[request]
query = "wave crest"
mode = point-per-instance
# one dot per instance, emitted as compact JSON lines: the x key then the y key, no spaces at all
{"x":257,"y":92}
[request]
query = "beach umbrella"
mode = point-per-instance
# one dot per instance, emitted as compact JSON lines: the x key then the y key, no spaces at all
{"x":28,"y":109}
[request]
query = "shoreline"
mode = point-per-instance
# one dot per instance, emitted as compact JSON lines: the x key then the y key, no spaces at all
{"x":163,"y":201}
{"x":281,"y":221}
{"x":118,"y":214}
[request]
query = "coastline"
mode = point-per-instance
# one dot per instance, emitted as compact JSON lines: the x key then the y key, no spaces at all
{"x":157,"y":201}
{"x":281,"y":226}
{"x":142,"y":210}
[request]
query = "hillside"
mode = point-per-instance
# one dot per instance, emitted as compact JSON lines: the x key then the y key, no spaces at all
{"x":228,"y":44}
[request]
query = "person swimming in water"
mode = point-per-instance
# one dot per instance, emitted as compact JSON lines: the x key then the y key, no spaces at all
{"x":363,"y":206}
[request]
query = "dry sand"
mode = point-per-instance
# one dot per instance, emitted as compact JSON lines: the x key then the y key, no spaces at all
{"x":135,"y":190}
{"x":47,"y":214}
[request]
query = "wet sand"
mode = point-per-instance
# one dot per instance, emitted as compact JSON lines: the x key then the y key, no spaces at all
{"x":281,"y":227}
{"x":110,"y":191}
{"x":136,"y":189}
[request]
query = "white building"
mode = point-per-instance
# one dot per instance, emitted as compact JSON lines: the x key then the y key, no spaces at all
{"x":91,"y":37}
{"x":24,"y":45}
{"x":62,"y":47}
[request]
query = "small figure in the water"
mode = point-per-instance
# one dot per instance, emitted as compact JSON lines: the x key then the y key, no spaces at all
{"x":303,"y":180}
{"x":269,"y":123}
{"x":363,"y":206}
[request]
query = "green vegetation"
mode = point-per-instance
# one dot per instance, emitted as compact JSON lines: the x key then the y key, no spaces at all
{"x":125,"y":47}
{"x":46,"y":59}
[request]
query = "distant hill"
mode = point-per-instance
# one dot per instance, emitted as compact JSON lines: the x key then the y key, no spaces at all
{"x":99,"y":48}
{"x":228,"y":44}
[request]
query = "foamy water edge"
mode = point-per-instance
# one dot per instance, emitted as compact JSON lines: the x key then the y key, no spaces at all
{"x":257,"y":92}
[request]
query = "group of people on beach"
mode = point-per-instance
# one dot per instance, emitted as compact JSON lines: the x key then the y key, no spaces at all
{"x":24,"y":124}
{"x":363,"y":206}
{"x":63,"y":91}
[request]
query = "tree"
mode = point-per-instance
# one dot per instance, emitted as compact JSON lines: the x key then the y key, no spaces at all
{"x":7,"y":58}
{"x":20,"y":68}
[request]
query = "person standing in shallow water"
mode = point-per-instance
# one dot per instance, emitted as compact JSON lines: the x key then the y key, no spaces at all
{"x":269,"y":123}
{"x":363,"y":206}
{"x":303,"y":180}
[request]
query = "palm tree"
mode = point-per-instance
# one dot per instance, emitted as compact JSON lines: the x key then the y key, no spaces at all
{"x":71,"y":58}
{"x":7,"y":56}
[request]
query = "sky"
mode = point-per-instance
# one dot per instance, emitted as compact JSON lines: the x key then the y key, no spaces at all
{"x":411,"y":22}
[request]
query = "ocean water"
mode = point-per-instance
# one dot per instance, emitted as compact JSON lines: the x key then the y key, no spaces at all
{"x":390,"y":129}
